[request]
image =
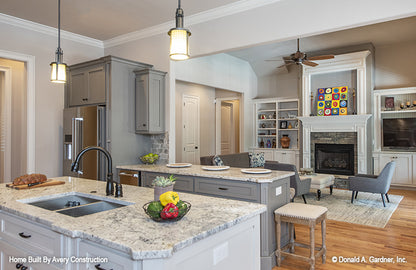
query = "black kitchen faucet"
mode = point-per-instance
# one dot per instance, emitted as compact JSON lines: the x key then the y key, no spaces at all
{"x":110,"y":183}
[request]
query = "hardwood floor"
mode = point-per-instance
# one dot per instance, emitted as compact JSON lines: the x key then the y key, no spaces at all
{"x":397,"y":239}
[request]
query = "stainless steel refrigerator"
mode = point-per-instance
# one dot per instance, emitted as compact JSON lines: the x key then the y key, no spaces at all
{"x":85,"y":126}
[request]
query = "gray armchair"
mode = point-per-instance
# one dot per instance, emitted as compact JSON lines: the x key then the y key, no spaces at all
{"x":373,"y":183}
{"x":301,"y":187}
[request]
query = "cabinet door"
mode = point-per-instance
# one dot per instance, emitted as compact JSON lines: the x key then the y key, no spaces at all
{"x":285,"y":157}
{"x":403,"y":171}
{"x":268,"y":154}
{"x":111,"y":258}
{"x":87,"y":86}
{"x":96,"y":85}
{"x":142,"y":103}
{"x":150,"y":101}
{"x":77,"y":88}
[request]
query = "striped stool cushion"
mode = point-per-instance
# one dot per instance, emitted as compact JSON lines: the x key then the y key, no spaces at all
{"x":301,"y":211}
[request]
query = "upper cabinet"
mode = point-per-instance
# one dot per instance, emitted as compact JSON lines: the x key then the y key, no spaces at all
{"x":86,"y":85}
{"x":150,"y":101}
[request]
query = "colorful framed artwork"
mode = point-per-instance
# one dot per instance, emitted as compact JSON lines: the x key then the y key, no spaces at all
{"x":332,"y":101}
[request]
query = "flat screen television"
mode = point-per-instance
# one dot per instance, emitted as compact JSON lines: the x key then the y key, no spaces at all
{"x":399,"y":133}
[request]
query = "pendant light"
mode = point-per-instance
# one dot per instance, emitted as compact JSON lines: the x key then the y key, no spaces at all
{"x":58,"y":68}
{"x":179,"y":46}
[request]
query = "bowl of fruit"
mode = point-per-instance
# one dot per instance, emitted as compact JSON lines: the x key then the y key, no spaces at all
{"x":149,"y":158}
{"x":169,"y":208}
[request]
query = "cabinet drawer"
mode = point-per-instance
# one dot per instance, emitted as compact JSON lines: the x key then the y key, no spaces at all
{"x":111,"y":258}
{"x":11,"y":256}
{"x":30,"y":236}
{"x":182,"y":182}
{"x":228,"y":189}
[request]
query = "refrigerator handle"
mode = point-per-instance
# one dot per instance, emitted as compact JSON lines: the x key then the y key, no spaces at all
{"x":76,"y":136}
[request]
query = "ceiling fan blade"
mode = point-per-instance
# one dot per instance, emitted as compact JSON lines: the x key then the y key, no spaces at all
{"x":309,"y":63}
{"x":321,"y":57}
{"x":287,"y":58}
{"x":288,"y":64}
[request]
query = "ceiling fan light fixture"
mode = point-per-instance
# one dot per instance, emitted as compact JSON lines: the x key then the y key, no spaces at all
{"x":58,"y":68}
{"x":179,"y":37}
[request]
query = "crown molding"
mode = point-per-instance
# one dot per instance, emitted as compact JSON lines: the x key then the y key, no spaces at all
{"x":205,"y":16}
{"x":51,"y":31}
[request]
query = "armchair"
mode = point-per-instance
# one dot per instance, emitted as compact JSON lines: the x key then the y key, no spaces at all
{"x":373,"y":183}
{"x":301,"y":187}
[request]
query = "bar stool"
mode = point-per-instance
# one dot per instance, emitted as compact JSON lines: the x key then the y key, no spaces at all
{"x":306,"y":214}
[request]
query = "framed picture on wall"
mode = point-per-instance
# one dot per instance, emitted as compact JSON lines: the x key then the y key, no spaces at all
{"x":389,"y":103}
{"x":283,"y":124}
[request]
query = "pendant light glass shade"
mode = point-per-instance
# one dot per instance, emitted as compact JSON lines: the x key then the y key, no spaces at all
{"x":58,"y":73}
{"x":179,"y":46}
{"x":179,"y":37}
{"x":58,"y":68}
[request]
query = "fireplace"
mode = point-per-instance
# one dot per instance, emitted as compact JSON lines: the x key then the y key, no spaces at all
{"x":334,"y":158}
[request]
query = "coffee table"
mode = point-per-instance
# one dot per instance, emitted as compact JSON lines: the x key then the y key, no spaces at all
{"x":320,"y":181}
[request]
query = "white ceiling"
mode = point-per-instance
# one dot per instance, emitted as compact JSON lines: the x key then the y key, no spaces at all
{"x":380,"y":34}
{"x":107,"y":19}
{"x":104,"y":19}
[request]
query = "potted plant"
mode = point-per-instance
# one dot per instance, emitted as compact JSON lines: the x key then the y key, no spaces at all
{"x":162,"y":184}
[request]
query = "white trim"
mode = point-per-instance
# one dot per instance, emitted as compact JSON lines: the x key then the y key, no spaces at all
{"x":51,"y":31}
{"x":218,"y":102}
{"x":341,"y":123}
{"x":8,"y":121}
{"x":201,"y":17}
{"x":31,"y":126}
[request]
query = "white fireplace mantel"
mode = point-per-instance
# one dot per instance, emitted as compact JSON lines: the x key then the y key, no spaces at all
{"x":341,"y":123}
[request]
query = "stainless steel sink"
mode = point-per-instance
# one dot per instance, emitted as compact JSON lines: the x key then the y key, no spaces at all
{"x":76,"y":204}
{"x":63,"y":202}
{"x":92,"y":208}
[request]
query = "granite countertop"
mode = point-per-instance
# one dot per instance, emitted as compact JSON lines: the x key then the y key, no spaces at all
{"x":129,"y":229}
{"x":196,"y":170}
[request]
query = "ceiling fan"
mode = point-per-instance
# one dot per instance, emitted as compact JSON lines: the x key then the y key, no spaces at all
{"x":300,"y":58}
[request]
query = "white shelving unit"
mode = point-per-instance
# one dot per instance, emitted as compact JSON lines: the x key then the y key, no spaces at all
{"x":273,"y":119}
{"x":405,"y":173}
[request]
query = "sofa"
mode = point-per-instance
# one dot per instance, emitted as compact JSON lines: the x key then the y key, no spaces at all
{"x":240,"y":160}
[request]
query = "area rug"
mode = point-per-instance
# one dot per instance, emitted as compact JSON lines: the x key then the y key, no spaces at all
{"x":367,"y":208}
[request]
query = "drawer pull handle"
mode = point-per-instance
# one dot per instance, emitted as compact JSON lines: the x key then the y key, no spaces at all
{"x":97,"y":266}
{"x":23,"y":235}
{"x":135,"y":175}
{"x":222,"y":188}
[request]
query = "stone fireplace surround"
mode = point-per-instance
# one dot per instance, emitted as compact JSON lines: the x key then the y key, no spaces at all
{"x":356,"y":124}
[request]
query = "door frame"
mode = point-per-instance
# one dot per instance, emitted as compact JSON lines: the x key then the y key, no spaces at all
{"x":30,"y":106}
{"x":198,"y":125}
{"x":8,"y":120}
{"x":218,"y":102}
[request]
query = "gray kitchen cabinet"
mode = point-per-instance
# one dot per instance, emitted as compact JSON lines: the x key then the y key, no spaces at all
{"x":150,"y":101}
{"x":86,"y":85}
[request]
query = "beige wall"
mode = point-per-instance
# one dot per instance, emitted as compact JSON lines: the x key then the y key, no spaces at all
{"x":206,"y":96}
{"x":49,"y":97}
{"x":18,"y":116}
{"x":395,"y":65}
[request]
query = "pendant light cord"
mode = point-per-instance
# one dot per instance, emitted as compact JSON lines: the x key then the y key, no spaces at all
{"x":59,"y":24}
{"x":179,"y":3}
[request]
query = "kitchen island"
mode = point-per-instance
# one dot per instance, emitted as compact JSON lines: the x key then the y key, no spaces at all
{"x":271,"y":189}
{"x":215,"y":234}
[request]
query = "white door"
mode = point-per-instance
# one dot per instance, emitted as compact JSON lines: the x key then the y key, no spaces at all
{"x":190,"y":125}
{"x":227,"y":128}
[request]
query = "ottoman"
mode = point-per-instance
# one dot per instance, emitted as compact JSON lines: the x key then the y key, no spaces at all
{"x":320,"y":181}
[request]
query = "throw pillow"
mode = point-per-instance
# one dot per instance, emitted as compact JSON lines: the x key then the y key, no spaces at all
{"x":256,"y":159}
{"x":217,"y":161}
